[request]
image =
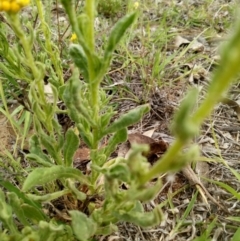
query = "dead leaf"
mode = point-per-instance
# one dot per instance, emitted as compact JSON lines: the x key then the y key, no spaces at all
{"x":81,"y":159}
{"x":180,"y":41}
{"x":195,"y":45}
{"x":149,"y":133}
{"x":156,"y":147}
{"x":48,"y":92}
{"x":82,"y":154}
{"x":202,"y":169}
{"x":198,"y":74}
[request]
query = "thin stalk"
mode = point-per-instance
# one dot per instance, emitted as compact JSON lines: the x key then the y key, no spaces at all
{"x":6,"y":109}
{"x":166,"y":161}
{"x":90,"y":11}
{"x":48,"y":42}
{"x":16,"y":26}
{"x":89,"y":49}
{"x":93,"y":77}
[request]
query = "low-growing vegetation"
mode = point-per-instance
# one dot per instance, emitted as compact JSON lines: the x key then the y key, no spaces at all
{"x":115,"y":120}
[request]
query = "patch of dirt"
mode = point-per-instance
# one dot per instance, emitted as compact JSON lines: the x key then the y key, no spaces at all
{"x":6,"y":135}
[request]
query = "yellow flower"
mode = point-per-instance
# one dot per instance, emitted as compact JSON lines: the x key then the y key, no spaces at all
{"x":5,"y":6}
{"x":23,"y":3}
{"x":13,"y":6}
{"x":136,"y":5}
{"x":73,"y":37}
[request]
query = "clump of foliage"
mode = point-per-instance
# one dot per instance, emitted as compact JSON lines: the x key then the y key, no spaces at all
{"x":51,"y":175}
{"x":111,"y":8}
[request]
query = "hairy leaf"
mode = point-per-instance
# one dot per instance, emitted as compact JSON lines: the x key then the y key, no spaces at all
{"x":83,"y":226}
{"x":70,"y":146}
{"x":130,"y":118}
{"x":40,"y":176}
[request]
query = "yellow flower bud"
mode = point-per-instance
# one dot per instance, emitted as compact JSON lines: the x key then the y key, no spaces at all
{"x":136,"y":5}
{"x":73,"y":37}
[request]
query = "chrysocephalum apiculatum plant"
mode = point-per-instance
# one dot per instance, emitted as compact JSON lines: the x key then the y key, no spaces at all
{"x":88,"y":106}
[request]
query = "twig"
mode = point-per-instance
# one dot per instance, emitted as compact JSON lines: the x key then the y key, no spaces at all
{"x":193,"y":179}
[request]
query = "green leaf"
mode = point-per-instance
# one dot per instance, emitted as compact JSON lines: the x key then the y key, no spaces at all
{"x":39,"y":160}
{"x":83,"y":227}
{"x":119,"y":171}
{"x":52,"y":231}
{"x":25,"y":211}
{"x":49,"y":143}
{"x":48,"y":197}
{"x":117,"y":33}
{"x":86,"y":136}
{"x":4,"y":45}
{"x":10,"y":187}
{"x":78,"y":194}
{"x":105,"y":118}
{"x":40,"y":176}
{"x":70,"y":146}
{"x":41,"y":115}
{"x":32,"y":213}
{"x":51,"y":146}
{"x":27,"y":125}
{"x":15,"y":203}
{"x":142,"y":219}
{"x":226,"y":187}
{"x":206,"y":236}
{"x":186,"y":213}
{"x":130,"y":118}
{"x":235,"y":219}
{"x":78,"y":106}
{"x":80,"y":59}
{"x":183,"y":127}
{"x":145,"y":194}
{"x":107,"y":230}
{"x":236,"y":235}
{"x":6,"y":215}
{"x":119,"y":137}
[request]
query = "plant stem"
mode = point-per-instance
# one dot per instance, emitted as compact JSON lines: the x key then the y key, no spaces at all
{"x":90,"y":11}
{"x":165,"y":162}
{"x":37,"y":83}
{"x":15,"y":23}
{"x":93,"y":76}
{"x":48,"y":42}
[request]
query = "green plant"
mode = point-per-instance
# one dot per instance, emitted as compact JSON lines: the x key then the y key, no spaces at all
{"x":110,"y":8}
{"x":87,"y":104}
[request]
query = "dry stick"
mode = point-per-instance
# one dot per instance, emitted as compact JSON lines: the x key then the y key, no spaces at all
{"x":192,"y":177}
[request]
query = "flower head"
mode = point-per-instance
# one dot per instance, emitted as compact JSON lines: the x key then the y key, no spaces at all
{"x":73,"y":37}
{"x":136,"y":5}
{"x":13,"y":6}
